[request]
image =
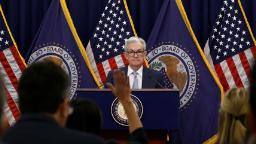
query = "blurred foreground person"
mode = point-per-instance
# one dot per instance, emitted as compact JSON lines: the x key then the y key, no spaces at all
{"x":44,"y":104}
{"x":86,"y":117}
{"x":252,"y":101}
{"x":233,"y":117}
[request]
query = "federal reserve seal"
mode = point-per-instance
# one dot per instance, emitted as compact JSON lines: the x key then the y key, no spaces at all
{"x":180,"y":67}
{"x":118,"y":113}
{"x":61,"y":57}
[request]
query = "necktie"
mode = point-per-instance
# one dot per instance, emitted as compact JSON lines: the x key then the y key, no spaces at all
{"x":135,"y":80}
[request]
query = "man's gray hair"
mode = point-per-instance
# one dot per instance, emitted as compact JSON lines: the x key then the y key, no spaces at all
{"x":134,"y":40}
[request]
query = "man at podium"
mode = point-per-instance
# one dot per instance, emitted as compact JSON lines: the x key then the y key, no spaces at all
{"x":139,"y":76}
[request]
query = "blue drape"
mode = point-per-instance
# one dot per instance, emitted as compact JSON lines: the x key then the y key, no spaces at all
{"x":24,"y":17}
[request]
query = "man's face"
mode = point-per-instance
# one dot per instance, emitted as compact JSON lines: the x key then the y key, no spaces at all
{"x":135,"y":54}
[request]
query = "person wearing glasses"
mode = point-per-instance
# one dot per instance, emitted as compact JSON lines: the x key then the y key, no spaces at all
{"x":139,"y":75}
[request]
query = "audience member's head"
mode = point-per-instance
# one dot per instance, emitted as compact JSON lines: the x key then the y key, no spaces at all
{"x":232,"y":116}
{"x":86,"y":117}
{"x":44,"y":88}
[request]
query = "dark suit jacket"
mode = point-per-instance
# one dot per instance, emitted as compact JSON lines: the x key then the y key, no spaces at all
{"x":150,"y":78}
{"x":41,"y":129}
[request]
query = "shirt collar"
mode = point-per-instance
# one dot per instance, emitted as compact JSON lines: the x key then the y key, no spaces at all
{"x":139,"y":71}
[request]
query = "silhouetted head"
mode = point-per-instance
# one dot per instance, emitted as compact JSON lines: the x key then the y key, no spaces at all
{"x":44,"y":88}
{"x":86,"y":117}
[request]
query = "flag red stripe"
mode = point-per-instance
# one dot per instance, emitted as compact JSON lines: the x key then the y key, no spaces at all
{"x":124,"y":59}
{"x":9,"y":70}
{"x":17,"y":57}
{"x":253,"y":50}
{"x":101,"y":71}
{"x":233,"y":70}
{"x":221,"y":76}
{"x":245,"y":64}
{"x":112,"y":63}
{"x":12,"y":106}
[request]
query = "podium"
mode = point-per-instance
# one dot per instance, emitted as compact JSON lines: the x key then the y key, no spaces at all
{"x":159,"y":109}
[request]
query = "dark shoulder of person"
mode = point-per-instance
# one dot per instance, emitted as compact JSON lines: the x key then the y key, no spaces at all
{"x":82,"y":137}
{"x":138,"y":136}
{"x":46,"y":132}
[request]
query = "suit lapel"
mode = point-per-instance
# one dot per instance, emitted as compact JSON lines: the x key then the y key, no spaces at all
{"x":124,"y":69}
{"x":145,"y":78}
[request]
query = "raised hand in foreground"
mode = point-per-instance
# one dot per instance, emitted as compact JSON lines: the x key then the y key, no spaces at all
{"x":121,"y":89}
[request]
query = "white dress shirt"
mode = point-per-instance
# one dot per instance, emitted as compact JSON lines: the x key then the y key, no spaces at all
{"x":139,"y":76}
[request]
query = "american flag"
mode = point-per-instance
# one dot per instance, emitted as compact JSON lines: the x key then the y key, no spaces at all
{"x":106,"y":47}
{"x":11,"y":67}
{"x":230,"y":48}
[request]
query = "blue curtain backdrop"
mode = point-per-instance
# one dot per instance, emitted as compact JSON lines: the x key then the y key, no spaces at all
{"x":24,"y":17}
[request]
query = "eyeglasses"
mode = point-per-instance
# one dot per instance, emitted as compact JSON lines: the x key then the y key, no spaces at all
{"x":132,"y":53}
